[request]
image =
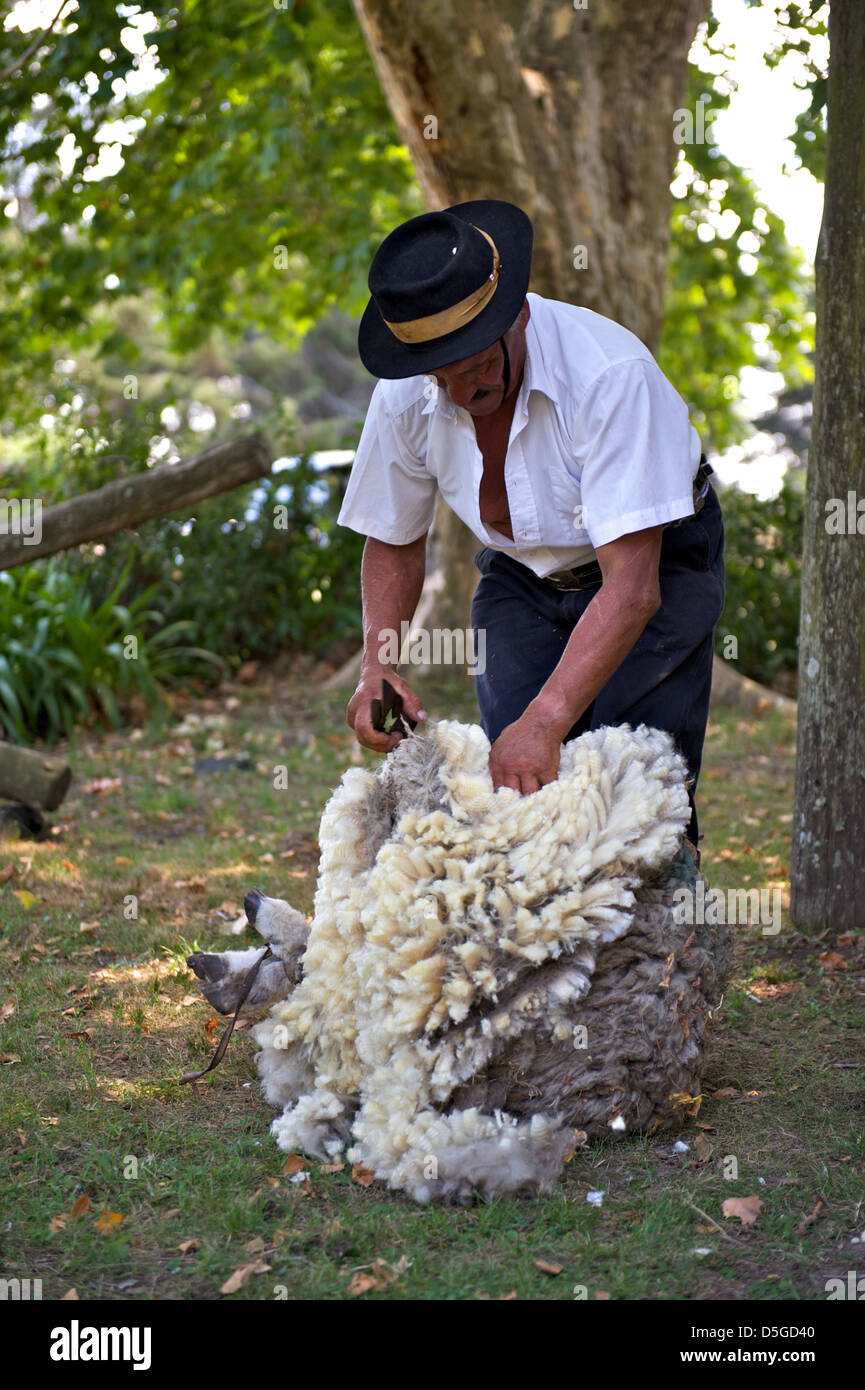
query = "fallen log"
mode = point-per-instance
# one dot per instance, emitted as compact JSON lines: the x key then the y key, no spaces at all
{"x":729,"y":687}
{"x":33,"y":778}
{"x":128,"y":502}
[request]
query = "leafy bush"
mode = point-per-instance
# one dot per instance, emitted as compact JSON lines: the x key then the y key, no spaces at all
{"x":65,"y":659}
{"x":248,"y":574}
{"x":261,"y":570}
{"x":764,"y":565}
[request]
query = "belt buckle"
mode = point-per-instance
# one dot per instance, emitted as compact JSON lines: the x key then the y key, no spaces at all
{"x":575,"y":583}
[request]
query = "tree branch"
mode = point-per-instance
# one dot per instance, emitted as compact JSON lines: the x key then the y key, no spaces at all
{"x":128,"y":502}
{"x":22,"y":62}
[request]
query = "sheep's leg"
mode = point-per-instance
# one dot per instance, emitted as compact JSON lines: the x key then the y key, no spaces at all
{"x":276,"y":920}
{"x":224,"y":973}
{"x":223,"y":976}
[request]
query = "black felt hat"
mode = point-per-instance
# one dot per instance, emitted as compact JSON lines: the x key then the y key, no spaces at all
{"x":444,"y":286}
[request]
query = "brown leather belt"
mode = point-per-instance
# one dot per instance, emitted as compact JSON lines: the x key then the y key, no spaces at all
{"x":588,"y":575}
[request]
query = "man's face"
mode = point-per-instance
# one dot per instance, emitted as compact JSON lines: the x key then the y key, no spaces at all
{"x":477,"y":383}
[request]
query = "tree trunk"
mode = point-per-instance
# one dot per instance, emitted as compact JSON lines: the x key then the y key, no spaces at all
{"x":829,"y":811}
{"x":128,"y":502}
{"x":566,"y":111}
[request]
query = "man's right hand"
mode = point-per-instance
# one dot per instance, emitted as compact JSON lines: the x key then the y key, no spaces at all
{"x":359,"y":713}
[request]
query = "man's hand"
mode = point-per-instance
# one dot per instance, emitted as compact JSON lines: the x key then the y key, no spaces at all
{"x":525,"y":755}
{"x":359,"y":712}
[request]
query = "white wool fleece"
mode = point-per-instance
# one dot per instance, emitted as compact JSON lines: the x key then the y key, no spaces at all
{"x":458,"y":907}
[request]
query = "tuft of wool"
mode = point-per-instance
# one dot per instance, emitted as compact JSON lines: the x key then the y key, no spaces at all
{"x":466,"y":942}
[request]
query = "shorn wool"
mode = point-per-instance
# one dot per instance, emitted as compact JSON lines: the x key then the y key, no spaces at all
{"x":487,"y":973}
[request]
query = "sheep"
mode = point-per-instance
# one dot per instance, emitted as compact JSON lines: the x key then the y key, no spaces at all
{"x":489,"y":979}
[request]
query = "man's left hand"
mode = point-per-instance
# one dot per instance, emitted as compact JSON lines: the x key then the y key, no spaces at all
{"x":525,"y":755}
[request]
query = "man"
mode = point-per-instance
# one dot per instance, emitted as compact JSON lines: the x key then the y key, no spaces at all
{"x":551,"y":431}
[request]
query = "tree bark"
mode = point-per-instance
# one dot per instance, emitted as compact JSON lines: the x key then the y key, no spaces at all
{"x":829,"y":809}
{"x":128,"y":502}
{"x":568,"y":112}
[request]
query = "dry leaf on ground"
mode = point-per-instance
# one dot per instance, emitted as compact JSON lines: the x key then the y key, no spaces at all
{"x":106,"y":1223}
{"x":240,"y":1278}
{"x":703,"y":1148}
{"x":831,"y":960}
{"x":746,"y":1208}
{"x":362,"y":1283}
{"x":810,"y":1218}
{"x":546,"y":1267}
{"x":378,"y":1277}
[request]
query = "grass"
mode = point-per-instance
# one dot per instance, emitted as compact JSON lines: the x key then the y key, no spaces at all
{"x":101,"y":1018}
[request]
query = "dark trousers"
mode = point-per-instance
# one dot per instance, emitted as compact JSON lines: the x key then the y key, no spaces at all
{"x":665,"y":679}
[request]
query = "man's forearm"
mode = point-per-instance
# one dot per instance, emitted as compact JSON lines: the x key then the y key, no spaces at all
{"x":391,"y":578}
{"x":596,"y":649}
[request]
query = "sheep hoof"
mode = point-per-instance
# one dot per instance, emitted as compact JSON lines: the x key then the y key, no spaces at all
{"x":212,"y":970}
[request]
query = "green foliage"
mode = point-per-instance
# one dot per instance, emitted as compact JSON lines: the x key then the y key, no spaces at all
{"x":65,"y":657}
{"x":263,"y":570}
{"x":269,"y":129}
{"x":260,"y":173}
{"x":740,"y":298}
{"x":246,"y":574}
{"x":763,"y":553}
{"x":799,"y":25}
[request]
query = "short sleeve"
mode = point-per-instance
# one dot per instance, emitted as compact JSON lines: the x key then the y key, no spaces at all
{"x":391,"y":495}
{"x":637,"y":449}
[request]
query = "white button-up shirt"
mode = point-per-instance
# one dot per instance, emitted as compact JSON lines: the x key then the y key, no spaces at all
{"x":600,"y":446}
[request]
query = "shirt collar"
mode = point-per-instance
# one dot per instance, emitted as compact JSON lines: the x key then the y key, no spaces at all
{"x":536,"y":377}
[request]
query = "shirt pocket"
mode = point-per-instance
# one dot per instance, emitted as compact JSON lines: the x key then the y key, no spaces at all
{"x":568,"y":511}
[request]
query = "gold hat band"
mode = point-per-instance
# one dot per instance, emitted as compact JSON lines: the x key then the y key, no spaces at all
{"x":448,"y":320}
